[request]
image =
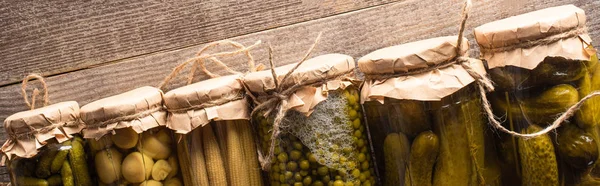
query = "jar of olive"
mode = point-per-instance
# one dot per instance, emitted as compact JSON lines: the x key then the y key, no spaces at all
{"x":425,"y":115}
{"x":129,"y":144}
{"x":44,"y":149}
{"x":322,"y":139}
{"x":217,"y":146}
{"x":542,"y":63}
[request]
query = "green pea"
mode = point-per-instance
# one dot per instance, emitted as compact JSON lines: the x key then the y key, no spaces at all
{"x":282,"y":167}
{"x":307,"y":180}
{"x":362,"y":177}
{"x":365,"y":165}
{"x":304,"y":173}
{"x":362,"y":157}
{"x":282,"y":178}
{"x":347,"y":150}
{"x":297,"y":177}
{"x":288,"y":175}
{"x":326,"y":179}
{"x":352,"y":100}
{"x":338,"y":177}
{"x":356,"y":123}
{"x":351,"y":165}
{"x":318,"y":183}
{"x":298,"y":184}
{"x":355,"y":173}
{"x":282,"y":157}
{"x":352,"y":114}
{"x":276,"y":168}
{"x":343,"y":159}
{"x":356,"y":182}
{"x":295,"y":155}
{"x":285,"y":184}
{"x":323,"y":171}
{"x":304,"y":165}
{"x":338,"y":183}
{"x":357,"y":134}
{"x":349,"y":184}
{"x":292,"y":166}
{"x":275,"y":183}
{"x":275,"y":175}
{"x":360,"y":143}
{"x":297,"y":145}
{"x":368,"y":183}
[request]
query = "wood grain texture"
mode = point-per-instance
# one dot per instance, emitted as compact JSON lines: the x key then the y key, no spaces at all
{"x":52,"y":37}
{"x":355,"y":33}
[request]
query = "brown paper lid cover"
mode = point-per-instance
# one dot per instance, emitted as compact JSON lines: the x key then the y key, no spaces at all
{"x":197,"y":104}
{"x":537,"y":25}
{"x":140,"y":109}
{"x":30,"y":130}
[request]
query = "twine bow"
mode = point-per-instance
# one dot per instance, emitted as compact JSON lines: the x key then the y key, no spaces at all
{"x":35,"y":92}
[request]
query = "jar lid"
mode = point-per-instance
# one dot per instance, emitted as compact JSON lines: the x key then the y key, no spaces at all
{"x":29,"y":130}
{"x":325,"y":73}
{"x":411,"y":56}
{"x":195,"y":105}
{"x":525,"y":40}
{"x":320,"y":68}
{"x":425,"y":80}
{"x":141,"y":109}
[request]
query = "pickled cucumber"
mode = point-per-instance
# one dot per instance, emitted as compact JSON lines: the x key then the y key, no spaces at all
{"x":31,"y":181}
{"x":60,"y":157}
{"x":67,"y":174}
{"x":45,"y":161}
{"x":423,"y":154}
{"x":538,"y":161}
{"x":79,"y":164}
{"x":553,"y":70}
{"x":396,"y":150}
{"x":459,"y":126}
{"x":55,"y":180}
{"x":576,"y":146}
{"x":540,"y":108}
{"x":589,"y":114}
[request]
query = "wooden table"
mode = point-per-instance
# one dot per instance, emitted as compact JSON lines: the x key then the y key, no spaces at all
{"x":92,"y":49}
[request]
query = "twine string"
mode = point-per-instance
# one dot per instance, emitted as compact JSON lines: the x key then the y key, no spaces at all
{"x":35,"y":92}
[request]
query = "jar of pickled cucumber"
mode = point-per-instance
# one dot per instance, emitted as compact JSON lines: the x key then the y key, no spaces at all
{"x":542,"y":63}
{"x":322,"y":140}
{"x":44,"y":148}
{"x":425,"y":115}
{"x":217,"y":146}
{"x":128,"y":141}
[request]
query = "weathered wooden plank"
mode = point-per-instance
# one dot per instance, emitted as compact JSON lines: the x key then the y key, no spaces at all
{"x":51,"y":37}
{"x":354,"y":33}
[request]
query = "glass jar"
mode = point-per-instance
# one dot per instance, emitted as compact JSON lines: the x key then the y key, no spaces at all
{"x":217,"y":144}
{"x":323,"y":140}
{"x":44,"y":148}
{"x":539,"y":75}
{"x":129,"y":144}
{"x":425,"y":116}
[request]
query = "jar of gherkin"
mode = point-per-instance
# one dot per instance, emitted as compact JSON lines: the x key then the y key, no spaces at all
{"x":323,"y":140}
{"x":542,"y":63}
{"x":43,"y":148}
{"x":217,"y":144}
{"x":425,"y":115}
{"x":129,"y":144}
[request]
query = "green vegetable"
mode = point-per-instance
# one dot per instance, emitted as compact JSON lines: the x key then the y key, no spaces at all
{"x":423,"y":154}
{"x":67,"y":174}
{"x":396,"y":150}
{"x":31,"y":181}
{"x":79,"y":164}
{"x":538,"y":161}
{"x":60,"y":157}
{"x":43,"y":166}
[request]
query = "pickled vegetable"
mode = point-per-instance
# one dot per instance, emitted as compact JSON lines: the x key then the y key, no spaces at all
{"x":137,"y":167}
{"x":108,"y":165}
{"x":44,"y":163}
{"x":79,"y":164}
{"x":30,"y":181}
{"x":60,"y":157}
{"x":67,"y":174}
{"x":423,"y":155}
{"x":396,"y":149}
{"x":538,"y":161}
{"x":330,"y":147}
{"x":409,"y":111}
{"x":577,"y":147}
{"x":552,"y":71}
{"x":460,"y":130}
